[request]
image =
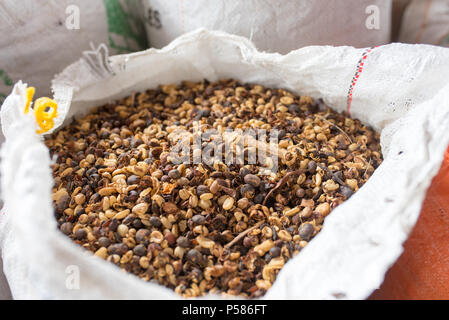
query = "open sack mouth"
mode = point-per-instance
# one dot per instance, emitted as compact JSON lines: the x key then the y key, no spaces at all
{"x":206,"y":187}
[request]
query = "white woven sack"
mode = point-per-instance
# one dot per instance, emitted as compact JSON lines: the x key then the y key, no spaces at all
{"x":402,"y":92}
{"x":273,"y":26}
{"x":426,"y":22}
{"x":39,"y":38}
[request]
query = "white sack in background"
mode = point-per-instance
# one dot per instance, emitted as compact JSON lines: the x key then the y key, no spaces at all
{"x":37,"y":38}
{"x":402,"y":92}
{"x":426,"y":21}
{"x":274,"y":26}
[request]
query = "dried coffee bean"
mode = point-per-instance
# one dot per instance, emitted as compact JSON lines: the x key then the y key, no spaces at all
{"x":142,"y":235}
{"x":311,"y":167}
{"x":259,"y":198}
{"x":215,"y":187}
{"x":346,"y":191}
{"x":293,"y":109}
{"x":247,"y":242}
{"x":183,"y":242}
{"x":133,"y":179}
{"x":113,"y":225}
{"x":63,"y":203}
{"x":140,"y":250}
{"x":129,"y":219}
{"x":155,"y":221}
{"x":169,"y":207}
{"x":104,"y":242}
{"x":132,"y":196}
{"x":244,"y":171}
{"x":66,"y":228}
{"x":80,"y":234}
{"x":198,"y":219}
{"x":300,"y":193}
{"x":194,"y":256}
{"x":170,"y":238}
{"x":137,"y":224}
{"x":202,"y":189}
{"x":305,"y":231}
{"x":183,"y":181}
{"x":275,"y":252}
{"x":174,"y":174}
{"x":252,"y":180}
{"x":247,"y":191}
{"x":118,"y":249}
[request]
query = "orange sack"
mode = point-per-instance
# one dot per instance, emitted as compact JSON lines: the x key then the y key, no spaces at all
{"x":422,"y":271}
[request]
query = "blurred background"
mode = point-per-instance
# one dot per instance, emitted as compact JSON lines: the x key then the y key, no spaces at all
{"x":38,"y":38}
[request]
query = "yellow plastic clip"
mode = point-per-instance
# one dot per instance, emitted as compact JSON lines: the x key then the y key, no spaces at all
{"x":30,"y":95}
{"x":45,"y":110}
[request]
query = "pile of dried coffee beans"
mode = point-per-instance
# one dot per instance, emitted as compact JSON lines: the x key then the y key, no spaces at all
{"x":210,"y":226}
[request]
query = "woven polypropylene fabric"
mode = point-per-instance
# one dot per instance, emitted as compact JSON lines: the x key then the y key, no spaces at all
{"x":421,"y":272}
